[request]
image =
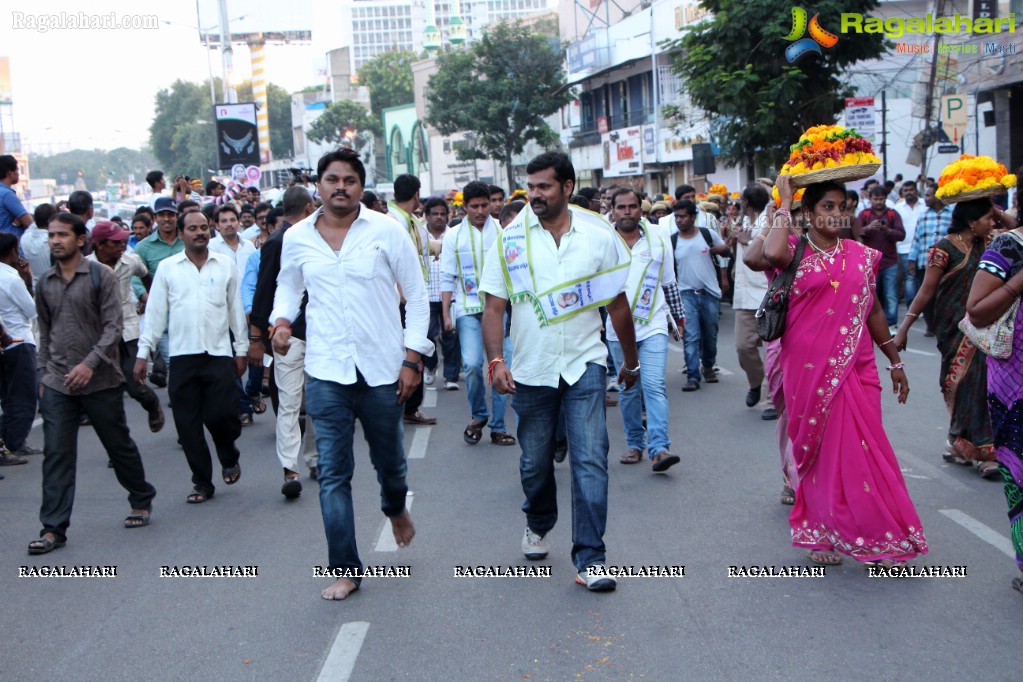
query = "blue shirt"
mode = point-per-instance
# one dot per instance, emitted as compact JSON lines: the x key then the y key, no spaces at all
{"x":11,"y":209}
{"x":249,"y":280}
{"x":930,"y":228}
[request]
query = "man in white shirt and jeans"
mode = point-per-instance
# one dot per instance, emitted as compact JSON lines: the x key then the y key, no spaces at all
{"x":557,"y":265}
{"x":197,"y":300}
{"x":359,"y":361}
{"x":18,"y":381}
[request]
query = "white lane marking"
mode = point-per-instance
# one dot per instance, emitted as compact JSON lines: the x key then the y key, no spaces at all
{"x":420,"y":440}
{"x":922,"y":478}
{"x":37,"y":422}
{"x":725,"y":372}
{"x":343,"y":652}
{"x":985,"y":533}
{"x":430,"y":398}
{"x":936,"y":473}
{"x":921,"y":352}
{"x":386,"y":542}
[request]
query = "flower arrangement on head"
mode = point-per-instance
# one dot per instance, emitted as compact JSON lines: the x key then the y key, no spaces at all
{"x":518,"y":195}
{"x":795,"y":197}
{"x":701,"y":197}
{"x":823,"y":147}
{"x":734,"y":195}
{"x":457,"y":200}
{"x":972,"y":177}
{"x":718,"y":189}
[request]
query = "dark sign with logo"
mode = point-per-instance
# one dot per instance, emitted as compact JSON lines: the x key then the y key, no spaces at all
{"x":237,"y":137}
{"x":985,"y":9}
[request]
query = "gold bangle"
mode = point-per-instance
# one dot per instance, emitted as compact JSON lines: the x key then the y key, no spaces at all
{"x":761,"y":236}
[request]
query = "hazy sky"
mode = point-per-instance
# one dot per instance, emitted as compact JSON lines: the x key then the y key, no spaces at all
{"x":96,"y":88}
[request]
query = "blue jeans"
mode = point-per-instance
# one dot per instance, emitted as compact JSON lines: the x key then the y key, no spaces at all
{"x":18,"y":393}
{"x":888,"y":292}
{"x":470,"y":341}
{"x":701,"y":333}
{"x":334,"y":408}
{"x":653,"y":360}
{"x":538,"y":409}
{"x":909,"y":283}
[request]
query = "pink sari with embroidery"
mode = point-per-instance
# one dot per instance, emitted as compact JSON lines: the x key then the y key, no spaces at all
{"x":850,"y":494}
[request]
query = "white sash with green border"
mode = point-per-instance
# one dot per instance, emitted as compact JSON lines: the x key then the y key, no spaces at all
{"x":412,"y":227}
{"x":644,"y":283}
{"x":469,"y":254}
{"x":566,"y":300}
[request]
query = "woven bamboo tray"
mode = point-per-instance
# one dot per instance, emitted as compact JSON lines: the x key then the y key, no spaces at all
{"x":974,"y":194}
{"x":856,"y":171}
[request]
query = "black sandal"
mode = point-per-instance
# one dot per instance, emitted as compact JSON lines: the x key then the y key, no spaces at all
{"x":788,"y":495}
{"x":258,"y":404}
{"x":232,"y":474}
{"x":474,"y":431}
{"x":502,"y":438}
{"x":137,"y":520}
{"x":198,"y":496}
{"x":44,"y":545}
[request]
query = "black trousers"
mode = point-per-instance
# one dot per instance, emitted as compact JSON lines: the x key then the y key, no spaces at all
{"x":140,"y":393}
{"x":203,"y":391}
{"x":61,"y":417}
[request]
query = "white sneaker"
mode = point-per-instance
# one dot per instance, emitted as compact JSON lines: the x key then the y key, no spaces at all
{"x":450,"y":386}
{"x":612,"y":384}
{"x":534,"y":546}
{"x":596,"y":581}
{"x":428,"y":375}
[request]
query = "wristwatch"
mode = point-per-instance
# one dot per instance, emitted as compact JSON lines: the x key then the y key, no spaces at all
{"x":634,"y":372}
{"x":410,"y":364}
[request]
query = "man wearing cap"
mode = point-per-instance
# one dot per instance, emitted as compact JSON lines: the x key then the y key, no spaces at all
{"x":111,"y":242}
{"x":152,"y":251}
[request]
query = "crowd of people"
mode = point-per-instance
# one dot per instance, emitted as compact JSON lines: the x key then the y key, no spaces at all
{"x":563,"y":299}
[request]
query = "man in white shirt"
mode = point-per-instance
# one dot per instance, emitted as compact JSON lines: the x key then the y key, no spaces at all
{"x":651,"y":272}
{"x":463,"y":255}
{"x":34,"y":242}
{"x":359,"y":362}
{"x":750,"y":289}
{"x":402,"y":209}
{"x":158,"y":183}
{"x":111,"y":242}
{"x":230,"y":243}
{"x":18,"y":388}
{"x":910,"y":209}
{"x":196,"y":298}
{"x":558,"y":265}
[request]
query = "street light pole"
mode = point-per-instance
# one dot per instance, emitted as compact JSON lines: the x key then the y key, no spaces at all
{"x":228,"y":53}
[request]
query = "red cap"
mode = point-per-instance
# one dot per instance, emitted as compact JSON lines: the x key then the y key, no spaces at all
{"x":108,"y":230}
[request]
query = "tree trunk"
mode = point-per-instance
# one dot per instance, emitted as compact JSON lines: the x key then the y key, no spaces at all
{"x":511,"y":172}
{"x":751,"y":169}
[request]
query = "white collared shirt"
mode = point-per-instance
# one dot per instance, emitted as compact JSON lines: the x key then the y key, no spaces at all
{"x":450,"y":279}
{"x":36,"y":247}
{"x":240,"y":256}
{"x":545,"y":355}
{"x":198,"y":309}
{"x":910,"y":215}
{"x":128,"y":265}
{"x":17,"y":309}
{"x":353,"y":321}
{"x":642,"y":254}
{"x":750,"y":286}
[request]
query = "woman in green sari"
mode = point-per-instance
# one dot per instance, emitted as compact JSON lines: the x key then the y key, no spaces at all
{"x":951,"y":265}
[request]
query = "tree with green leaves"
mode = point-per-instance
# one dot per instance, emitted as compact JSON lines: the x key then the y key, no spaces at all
{"x":735,"y":70}
{"x":182,"y":132}
{"x":499,"y":89}
{"x":341,"y":120}
{"x":389,"y":79}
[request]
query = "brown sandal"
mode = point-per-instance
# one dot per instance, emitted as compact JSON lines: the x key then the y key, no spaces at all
{"x":474,"y":431}
{"x":632,"y":456}
{"x":502,"y":438}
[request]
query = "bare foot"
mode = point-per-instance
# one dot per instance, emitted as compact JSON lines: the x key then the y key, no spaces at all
{"x":341,"y":588}
{"x":403,"y":529}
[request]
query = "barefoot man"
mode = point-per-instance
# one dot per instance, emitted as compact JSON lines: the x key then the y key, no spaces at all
{"x":359,"y":361}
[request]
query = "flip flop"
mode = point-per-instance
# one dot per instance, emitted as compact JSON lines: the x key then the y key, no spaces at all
{"x":631,"y":456}
{"x":198,"y":496}
{"x":136,"y":520}
{"x":502,"y":438}
{"x":45,"y":545}
{"x":788,"y":495}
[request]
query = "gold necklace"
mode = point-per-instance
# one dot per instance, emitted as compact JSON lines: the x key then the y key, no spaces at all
{"x":831,"y":258}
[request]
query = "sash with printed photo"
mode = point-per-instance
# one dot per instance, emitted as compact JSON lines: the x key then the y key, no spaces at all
{"x":644,"y":283}
{"x":566,"y":300}
{"x":469,"y":262}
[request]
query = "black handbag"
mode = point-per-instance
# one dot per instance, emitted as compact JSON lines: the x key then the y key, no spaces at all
{"x":771,"y":313}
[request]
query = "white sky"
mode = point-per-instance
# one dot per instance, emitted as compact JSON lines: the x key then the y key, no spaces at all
{"x":96,"y":88}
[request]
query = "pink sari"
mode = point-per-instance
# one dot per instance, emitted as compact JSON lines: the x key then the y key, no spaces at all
{"x":850,"y":494}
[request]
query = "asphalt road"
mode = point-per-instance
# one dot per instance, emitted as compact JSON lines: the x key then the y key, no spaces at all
{"x":718,"y":508}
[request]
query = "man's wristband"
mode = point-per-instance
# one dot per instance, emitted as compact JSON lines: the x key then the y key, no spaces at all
{"x":634,"y":372}
{"x":410,"y":364}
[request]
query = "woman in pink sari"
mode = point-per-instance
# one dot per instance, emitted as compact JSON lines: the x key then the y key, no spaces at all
{"x":850,"y":495}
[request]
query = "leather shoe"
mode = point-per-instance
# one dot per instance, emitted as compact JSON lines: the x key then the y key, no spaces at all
{"x":709,"y":375}
{"x":156,"y":419}
{"x":420,"y":419}
{"x":691,"y":386}
{"x":770,"y":414}
{"x":753,"y":397}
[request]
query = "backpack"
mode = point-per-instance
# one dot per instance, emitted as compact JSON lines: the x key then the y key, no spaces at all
{"x":710,"y":244}
{"x":97,"y":284}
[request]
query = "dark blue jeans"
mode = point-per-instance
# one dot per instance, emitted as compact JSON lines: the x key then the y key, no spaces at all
{"x":448,"y":344}
{"x":538,"y":409}
{"x":334,"y":408}
{"x":888,"y":292}
{"x":18,"y":393}
{"x":701,"y":333}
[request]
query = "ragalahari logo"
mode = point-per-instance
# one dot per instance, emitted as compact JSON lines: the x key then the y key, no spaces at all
{"x":819,"y":37}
